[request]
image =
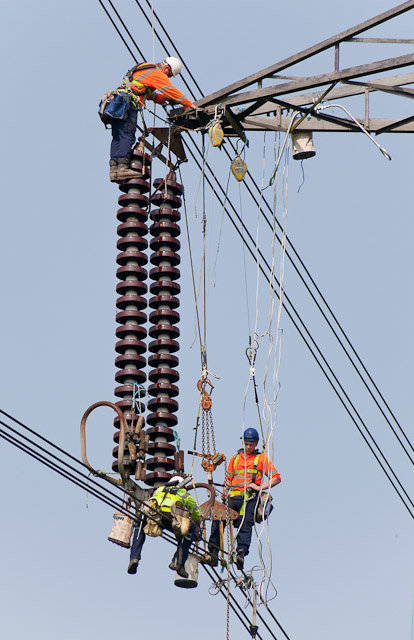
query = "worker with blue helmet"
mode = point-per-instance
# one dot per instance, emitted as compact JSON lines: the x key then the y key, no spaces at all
{"x":249,"y":473}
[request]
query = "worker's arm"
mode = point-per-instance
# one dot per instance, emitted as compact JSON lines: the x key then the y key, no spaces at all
{"x":161,"y":82}
{"x":268,"y":469}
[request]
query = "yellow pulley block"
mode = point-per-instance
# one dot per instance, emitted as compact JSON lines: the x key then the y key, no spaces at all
{"x":216,"y":134}
{"x":238,"y":168}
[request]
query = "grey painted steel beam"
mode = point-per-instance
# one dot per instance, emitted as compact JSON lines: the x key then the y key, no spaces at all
{"x":378,"y":86}
{"x":320,"y":80}
{"x":339,"y":92}
{"x":376,"y":125}
{"x":217,"y":96}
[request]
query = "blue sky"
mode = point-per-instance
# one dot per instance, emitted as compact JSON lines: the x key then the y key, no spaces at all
{"x":341,"y":540}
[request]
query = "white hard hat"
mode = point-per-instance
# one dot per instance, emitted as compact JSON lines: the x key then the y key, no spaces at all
{"x":174,"y":480}
{"x":174,"y":64}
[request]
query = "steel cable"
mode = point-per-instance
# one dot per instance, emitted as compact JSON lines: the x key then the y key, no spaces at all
{"x":308,"y":275}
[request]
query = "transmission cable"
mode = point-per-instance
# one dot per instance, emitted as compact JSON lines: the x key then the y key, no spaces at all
{"x":306,"y":271}
{"x":366,"y":429}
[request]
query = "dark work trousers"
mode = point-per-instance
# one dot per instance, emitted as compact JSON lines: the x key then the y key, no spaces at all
{"x":123,"y":135}
{"x":183,"y":542}
{"x":244,"y":535}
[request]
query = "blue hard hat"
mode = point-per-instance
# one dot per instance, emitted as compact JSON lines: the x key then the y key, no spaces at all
{"x":251,"y":435}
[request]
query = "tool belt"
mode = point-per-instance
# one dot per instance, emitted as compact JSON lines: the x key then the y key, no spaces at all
{"x":180,"y":520}
{"x":114,"y":105}
{"x":152,"y":527}
{"x":264,"y":507}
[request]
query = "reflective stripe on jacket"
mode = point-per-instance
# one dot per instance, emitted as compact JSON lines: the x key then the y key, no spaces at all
{"x":241,"y":471}
{"x":166,"y":498}
{"x":148,"y":78}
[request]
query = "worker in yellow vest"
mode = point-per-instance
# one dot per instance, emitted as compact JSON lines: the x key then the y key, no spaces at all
{"x":175,"y":510}
{"x":245,"y":479}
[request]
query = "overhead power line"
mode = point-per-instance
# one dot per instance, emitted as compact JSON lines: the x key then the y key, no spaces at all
{"x":296,"y":268}
{"x":103,"y":494}
{"x":362,"y":426}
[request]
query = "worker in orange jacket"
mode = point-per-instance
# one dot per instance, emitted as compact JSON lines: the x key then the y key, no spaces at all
{"x":245,"y":478}
{"x":145,"y":81}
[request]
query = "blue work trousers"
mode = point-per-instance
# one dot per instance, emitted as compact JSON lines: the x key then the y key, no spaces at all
{"x":244,"y":536}
{"x":183,"y":542}
{"x":123,"y":135}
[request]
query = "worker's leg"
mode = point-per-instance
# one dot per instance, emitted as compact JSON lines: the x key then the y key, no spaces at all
{"x":235,"y":502}
{"x":123,"y":135}
{"x":184,"y":544}
{"x":244,"y":535}
{"x":138,"y":540}
{"x":136,"y":547}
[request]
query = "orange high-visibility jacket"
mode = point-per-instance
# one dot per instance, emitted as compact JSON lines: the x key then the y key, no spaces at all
{"x":148,"y":80}
{"x":242,"y":471}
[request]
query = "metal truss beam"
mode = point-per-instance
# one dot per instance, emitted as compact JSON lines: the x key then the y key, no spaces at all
{"x":317,"y":81}
{"x":334,"y":41}
{"x":352,"y":89}
{"x":323,"y":124}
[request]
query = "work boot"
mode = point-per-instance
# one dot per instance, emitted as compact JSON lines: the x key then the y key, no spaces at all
{"x":125,"y":172}
{"x":240,"y":558}
{"x":133,"y":565}
{"x":209,"y":558}
{"x":113,"y":170}
{"x":182,"y":572}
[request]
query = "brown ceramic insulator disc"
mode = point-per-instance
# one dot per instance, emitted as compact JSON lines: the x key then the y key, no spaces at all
{"x":135,"y":198}
{"x":126,"y":453}
{"x":165,"y":256}
{"x":128,"y":375}
{"x":162,"y":416}
{"x":130,"y":360}
{"x":164,"y":372}
{"x":157,"y":228}
{"x":130,"y":270}
{"x":133,"y":201}
{"x":172,"y":243}
{"x":135,"y":183}
{"x":125,"y":404}
{"x":157,"y":273}
{"x":163,"y":360}
{"x":137,"y":301}
{"x":123,"y":345}
{"x":131,"y":256}
{"x":175,"y":187}
{"x":160,"y":198}
{"x":165,"y":432}
{"x":132,"y":212}
{"x":157,"y":476}
{"x":157,"y":301}
{"x":169,"y":329}
{"x":170,"y":214}
{"x":155,"y":404}
{"x":167,"y":463}
{"x":138,"y":153}
{"x":132,"y":243}
{"x":132,"y":226}
{"x":123,"y":317}
{"x":126,"y":286}
{"x":125,"y":331}
{"x":164,"y":316}
{"x":167,"y":285}
{"x":163,"y":343}
{"x":122,"y":391}
{"x":163,"y":387}
{"x":161,"y":448}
